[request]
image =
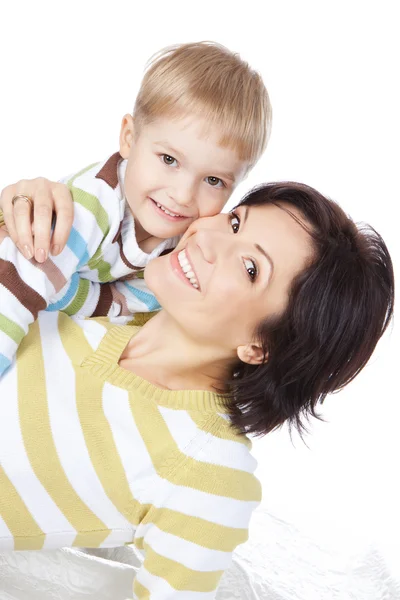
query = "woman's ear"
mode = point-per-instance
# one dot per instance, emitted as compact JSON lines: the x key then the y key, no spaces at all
{"x":252,"y":354}
{"x":126,"y":136}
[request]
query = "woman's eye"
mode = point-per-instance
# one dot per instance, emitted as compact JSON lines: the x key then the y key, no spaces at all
{"x":215,"y":181}
{"x":167,"y":159}
{"x":251,"y":268}
{"x":235,"y":222}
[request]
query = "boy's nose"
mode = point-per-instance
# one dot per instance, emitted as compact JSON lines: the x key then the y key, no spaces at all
{"x":183,"y":194}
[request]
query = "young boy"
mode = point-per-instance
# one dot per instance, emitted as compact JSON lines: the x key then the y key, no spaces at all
{"x":200,"y":122}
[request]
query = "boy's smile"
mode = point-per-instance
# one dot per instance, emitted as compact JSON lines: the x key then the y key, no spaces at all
{"x":165,"y":212}
{"x":177,"y":171}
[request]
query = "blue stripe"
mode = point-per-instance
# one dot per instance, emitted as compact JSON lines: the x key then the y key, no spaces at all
{"x":77,"y":244}
{"x":68,"y":296}
{"x":148,"y":299}
{"x":4,"y":363}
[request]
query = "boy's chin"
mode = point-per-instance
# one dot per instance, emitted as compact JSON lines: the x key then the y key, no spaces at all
{"x":164,"y":232}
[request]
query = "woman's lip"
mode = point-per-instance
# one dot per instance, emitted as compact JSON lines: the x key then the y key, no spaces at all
{"x":164,"y":214}
{"x":176,"y":267}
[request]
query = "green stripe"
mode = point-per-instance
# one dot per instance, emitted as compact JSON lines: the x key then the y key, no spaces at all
{"x":89,"y":201}
{"x":13,"y":330}
{"x":103,"y":267}
{"x":80,"y":298}
{"x":85,"y":170}
{"x":104,"y":271}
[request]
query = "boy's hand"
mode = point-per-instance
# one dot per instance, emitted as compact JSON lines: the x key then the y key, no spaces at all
{"x":30,"y":228}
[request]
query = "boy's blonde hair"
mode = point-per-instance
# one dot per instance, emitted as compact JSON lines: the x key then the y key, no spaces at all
{"x":208,"y":80}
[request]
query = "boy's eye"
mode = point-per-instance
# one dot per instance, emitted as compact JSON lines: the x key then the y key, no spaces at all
{"x":251,"y":268}
{"x":215,"y":181}
{"x":234,"y":221}
{"x":167,"y":159}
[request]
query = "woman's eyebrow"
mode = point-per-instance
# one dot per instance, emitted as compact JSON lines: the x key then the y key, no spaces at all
{"x":257,"y":246}
{"x":267,"y":256}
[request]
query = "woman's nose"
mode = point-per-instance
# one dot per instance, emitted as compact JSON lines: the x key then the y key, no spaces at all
{"x":211,"y":243}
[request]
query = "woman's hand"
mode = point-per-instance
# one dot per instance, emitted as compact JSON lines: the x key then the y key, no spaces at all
{"x":31,"y":228}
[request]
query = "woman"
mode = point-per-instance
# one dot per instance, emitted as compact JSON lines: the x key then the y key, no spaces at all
{"x":111,"y":434}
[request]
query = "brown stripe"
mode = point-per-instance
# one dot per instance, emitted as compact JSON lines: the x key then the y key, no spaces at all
{"x":118,"y":239}
{"x":53,"y":273}
{"x":109,"y":171}
{"x":105,"y":301}
{"x":119,"y":299}
{"x":118,"y":234}
{"x":26,"y":295}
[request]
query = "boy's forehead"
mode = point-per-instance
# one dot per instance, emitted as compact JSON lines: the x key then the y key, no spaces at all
{"x":192,"y":138}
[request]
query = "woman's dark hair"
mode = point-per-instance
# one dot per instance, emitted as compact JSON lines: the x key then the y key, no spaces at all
{"x":338,"y":308}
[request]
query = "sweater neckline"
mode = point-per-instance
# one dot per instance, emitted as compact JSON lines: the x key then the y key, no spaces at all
{"x":103,"y":362}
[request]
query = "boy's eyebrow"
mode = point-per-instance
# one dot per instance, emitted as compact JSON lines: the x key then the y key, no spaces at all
{"x":257,"y":246}
{"x":227,"y":175}
{"x":169,"y":148}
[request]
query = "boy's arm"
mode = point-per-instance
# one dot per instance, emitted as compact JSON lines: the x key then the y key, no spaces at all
{"x":27,"y":286}
{"x":115,"y":299}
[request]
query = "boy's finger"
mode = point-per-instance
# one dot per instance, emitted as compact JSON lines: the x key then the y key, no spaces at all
{"x":23,"y":226}
{"x":42,"y":218}
{"x":64,"y":209}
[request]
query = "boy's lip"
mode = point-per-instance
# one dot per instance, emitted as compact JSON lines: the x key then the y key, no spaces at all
{"x":174,"y":217}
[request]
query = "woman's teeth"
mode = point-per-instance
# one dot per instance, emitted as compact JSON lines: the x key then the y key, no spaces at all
{"x":168,"y":212}
{"x":187,"y":269}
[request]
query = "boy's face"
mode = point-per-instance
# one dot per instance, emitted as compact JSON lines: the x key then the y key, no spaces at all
{"x":176,"y":173}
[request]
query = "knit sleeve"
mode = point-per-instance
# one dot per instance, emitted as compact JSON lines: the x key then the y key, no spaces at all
{"x":26,"y":286}
{"x":188,"y":543}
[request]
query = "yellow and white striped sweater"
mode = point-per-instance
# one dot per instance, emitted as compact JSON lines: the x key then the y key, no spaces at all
{"x":93,"y":455}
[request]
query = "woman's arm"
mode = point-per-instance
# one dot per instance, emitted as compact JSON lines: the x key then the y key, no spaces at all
{"x":31,"y":228}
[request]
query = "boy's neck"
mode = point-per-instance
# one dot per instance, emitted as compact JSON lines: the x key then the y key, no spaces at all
{"x":145,"y":240}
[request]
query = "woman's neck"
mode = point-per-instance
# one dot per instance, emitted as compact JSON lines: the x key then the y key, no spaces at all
{"x":164,"y":355}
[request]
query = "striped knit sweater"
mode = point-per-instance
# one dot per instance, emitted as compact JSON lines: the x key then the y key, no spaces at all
{"x":93,"y":455}
{"x":101,"y":248}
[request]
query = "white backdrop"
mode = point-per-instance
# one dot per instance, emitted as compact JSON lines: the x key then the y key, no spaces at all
{"x":70,"y":70}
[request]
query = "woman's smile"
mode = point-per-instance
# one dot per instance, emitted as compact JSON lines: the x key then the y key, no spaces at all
{"x":183,"y":267}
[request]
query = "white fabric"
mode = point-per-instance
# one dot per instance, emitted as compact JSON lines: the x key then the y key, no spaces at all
{"x":279,"y":562}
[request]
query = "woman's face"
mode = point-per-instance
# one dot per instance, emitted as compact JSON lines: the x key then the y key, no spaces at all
{"x":230,"y":272}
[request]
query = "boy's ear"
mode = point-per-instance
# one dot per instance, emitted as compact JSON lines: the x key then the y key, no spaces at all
{"x":252,"y":354}
{"x":126,"y":136}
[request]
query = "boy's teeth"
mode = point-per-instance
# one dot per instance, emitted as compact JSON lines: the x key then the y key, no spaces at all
{"x":187,"y":269}
{"x":167,"y":211}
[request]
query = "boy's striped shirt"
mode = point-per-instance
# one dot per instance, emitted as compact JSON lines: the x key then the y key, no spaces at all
{"x":101,"y":249}
{"x":93,"y":455}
